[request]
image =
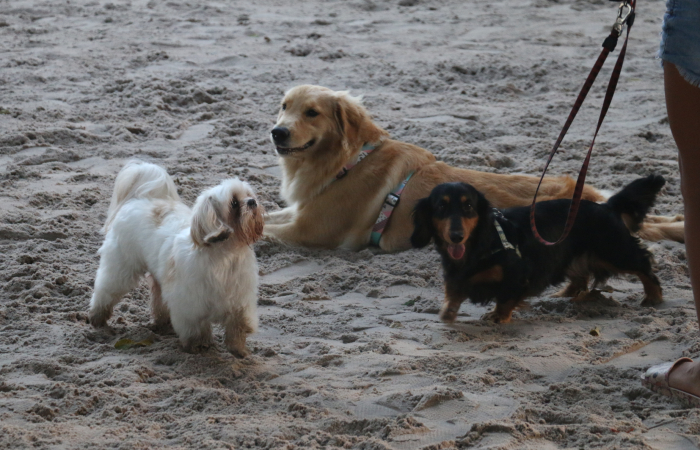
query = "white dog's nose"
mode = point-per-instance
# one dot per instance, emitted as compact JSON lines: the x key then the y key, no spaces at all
{"x":251,"y":203}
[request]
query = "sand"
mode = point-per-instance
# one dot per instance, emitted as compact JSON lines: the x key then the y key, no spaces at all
{"x":350,"y":352}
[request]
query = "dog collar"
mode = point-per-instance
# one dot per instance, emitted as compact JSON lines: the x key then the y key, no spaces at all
{"x":502,"y":235}
{"x":390,"y":203}
{"x":366,"y":150}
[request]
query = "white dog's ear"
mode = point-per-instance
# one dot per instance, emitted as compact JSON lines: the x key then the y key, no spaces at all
{"x":208,"y":226}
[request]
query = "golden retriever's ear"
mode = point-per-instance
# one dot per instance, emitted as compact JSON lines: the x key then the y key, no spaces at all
{"x":422,"y":223}
{"x":354,"y":124}
{"x":349,"y":117}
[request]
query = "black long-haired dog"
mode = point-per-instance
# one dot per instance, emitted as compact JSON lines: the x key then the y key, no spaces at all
{"x":490,"y":255}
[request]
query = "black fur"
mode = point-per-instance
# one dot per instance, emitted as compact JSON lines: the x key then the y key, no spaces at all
{"x":636,"y":198}
{"x":600,"y":244}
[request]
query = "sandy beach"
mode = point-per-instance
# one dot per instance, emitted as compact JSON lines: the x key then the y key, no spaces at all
{"x":350,"y":352}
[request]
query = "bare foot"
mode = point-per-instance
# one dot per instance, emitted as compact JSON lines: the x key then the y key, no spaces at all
{"x":686,"y":377}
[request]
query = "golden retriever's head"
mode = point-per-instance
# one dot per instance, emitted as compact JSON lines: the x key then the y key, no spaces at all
{"x":317,"y":122}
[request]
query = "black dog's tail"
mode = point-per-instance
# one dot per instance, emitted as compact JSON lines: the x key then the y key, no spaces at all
{"x":633,"y":202}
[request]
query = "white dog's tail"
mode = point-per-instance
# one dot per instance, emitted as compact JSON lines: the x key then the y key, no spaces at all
{"x":139,"y":179}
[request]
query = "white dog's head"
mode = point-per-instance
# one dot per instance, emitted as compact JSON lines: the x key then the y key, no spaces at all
{"x":228,"y":212}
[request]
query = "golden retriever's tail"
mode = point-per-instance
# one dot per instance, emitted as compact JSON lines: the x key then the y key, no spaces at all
{"x":139,"y":179}
{"x":658,"y":231}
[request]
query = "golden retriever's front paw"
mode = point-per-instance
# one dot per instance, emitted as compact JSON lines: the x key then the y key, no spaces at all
{"x":199,"y":344}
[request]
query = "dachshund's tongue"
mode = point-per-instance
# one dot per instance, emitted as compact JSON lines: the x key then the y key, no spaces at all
{"x":456,"y":251}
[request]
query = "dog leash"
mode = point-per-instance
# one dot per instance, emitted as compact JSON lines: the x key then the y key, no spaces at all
{"x":625,"y":14}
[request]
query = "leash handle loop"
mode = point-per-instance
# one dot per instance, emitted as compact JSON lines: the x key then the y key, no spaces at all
{"x":611,"y":41}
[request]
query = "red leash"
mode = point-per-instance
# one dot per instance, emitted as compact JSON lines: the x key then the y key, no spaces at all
{"x":625,"y":14}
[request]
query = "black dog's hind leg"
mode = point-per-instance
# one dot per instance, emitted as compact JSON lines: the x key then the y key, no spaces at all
{"x":576,"y":286}
{"x":652,"y":289}
{"x":638,"y":262}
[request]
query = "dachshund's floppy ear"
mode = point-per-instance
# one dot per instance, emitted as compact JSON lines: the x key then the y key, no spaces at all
{"x":207,"y":225}
{"x":422,"y":223}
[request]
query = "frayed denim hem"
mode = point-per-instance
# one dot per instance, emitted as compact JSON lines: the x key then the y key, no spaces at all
{"x":690,"y":77}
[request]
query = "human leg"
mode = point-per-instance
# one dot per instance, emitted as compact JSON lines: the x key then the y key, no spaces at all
{"x":683,"y":105}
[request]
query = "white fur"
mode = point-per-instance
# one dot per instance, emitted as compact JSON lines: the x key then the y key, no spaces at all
{"x":202,"y":267}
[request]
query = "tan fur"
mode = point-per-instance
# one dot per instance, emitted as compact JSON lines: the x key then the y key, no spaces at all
{"x":492,"y":275}
{"x":160,"y":212}
{"x":578,"y":273}
{"x":252,"y":228}
{"x":450,"y":306}
{"x":327,"y":213}
{"x":657,"y":231}
{"x":503,"y":312}
{"x":443,"y":227}
{"x":581,"y":270}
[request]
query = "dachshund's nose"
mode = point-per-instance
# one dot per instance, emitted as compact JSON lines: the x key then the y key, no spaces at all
{"x":456,"y":236}
{"x":252,"y":203}
{"x":280,"y":134}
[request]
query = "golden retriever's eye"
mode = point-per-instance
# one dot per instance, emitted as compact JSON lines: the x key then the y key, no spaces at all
{"x":311,"y":113}
{"x":284,"y":106}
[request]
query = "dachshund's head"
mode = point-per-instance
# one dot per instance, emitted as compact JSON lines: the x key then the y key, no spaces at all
{"x":449,"y":216}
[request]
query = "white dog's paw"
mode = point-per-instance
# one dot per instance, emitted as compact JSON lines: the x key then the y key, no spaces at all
{"x":98,"y":317}
{"x":239,"y":352}
{"x":162,"y":327}
{"x":197,"y":345}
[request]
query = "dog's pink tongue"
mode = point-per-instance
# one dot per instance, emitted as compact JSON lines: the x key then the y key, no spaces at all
{"x":455,"y":251}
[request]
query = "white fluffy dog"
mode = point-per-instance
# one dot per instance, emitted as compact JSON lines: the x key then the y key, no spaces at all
{"x":202,"y":268}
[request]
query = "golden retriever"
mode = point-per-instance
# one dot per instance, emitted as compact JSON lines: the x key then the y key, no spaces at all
{"x":319,"y":131}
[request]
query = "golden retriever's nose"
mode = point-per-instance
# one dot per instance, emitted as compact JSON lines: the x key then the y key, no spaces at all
{"x":280,"y":135}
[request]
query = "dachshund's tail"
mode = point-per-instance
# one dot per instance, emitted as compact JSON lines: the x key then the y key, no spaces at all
{"x":635,"y":200}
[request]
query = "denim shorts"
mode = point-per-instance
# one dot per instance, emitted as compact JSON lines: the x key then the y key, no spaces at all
{"x":680,"y":38}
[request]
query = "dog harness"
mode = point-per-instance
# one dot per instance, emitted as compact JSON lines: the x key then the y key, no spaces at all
{"x":364,"y":151}
{"x":501,"y":234}
{"x":390,"y":201}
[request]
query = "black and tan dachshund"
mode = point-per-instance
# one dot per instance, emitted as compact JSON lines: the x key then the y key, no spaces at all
{"x":492,"y":255}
